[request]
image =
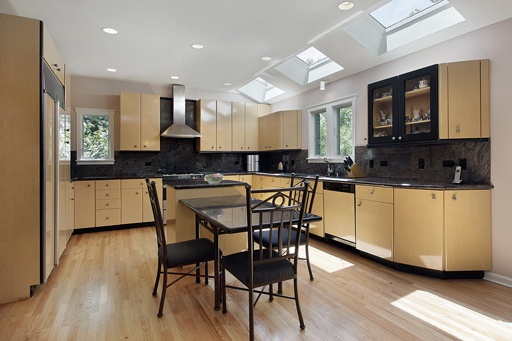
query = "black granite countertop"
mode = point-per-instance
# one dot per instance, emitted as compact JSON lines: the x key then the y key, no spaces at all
{"x":190,"y":184}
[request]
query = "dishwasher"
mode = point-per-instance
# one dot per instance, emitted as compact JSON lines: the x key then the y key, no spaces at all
{"x":339,"y":212}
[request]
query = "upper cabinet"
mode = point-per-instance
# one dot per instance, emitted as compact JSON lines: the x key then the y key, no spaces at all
{"x":228,"y":126}
{"x":464,"y":100}
{"x":281,"y":130}
{"x":52,"y":57}
{"x":404,"y":108}
{"x":445,"y":101}
{"x":140,"y":121}
{"x":214,"y":124}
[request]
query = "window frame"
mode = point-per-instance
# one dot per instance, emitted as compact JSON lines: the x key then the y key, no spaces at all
{"x":80,"y":113}
{"x":331,"y":110}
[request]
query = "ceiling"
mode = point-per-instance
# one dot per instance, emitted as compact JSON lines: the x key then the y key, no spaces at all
{"x":155,"y":37}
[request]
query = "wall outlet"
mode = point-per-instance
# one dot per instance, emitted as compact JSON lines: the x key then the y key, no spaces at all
{"x":371,"y":164}
{"x":421,"y":163}
{"x":383,"y":163}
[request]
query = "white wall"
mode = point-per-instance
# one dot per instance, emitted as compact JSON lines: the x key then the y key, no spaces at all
{"x":488,"y":43}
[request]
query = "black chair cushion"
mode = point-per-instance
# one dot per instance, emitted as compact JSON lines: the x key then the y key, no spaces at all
{"x":188,"y":252}
{"x":266,"y":237}
{"x":273,"y":272}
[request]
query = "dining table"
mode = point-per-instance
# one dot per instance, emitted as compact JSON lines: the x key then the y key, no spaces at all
{"x":226,"y":215}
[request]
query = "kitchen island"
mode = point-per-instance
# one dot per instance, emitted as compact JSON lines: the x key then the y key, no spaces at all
{"x":181,"y":221}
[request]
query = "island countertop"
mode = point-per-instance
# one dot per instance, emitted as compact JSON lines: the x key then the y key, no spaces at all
{"x":196,"y":183}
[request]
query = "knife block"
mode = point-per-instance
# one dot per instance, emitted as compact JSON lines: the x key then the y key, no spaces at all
{"x":355,"y":172}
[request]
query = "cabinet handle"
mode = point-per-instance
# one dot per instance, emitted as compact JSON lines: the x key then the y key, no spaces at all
{"x":454,"y":197}
{"x":107,"y":205}
{"x":457,"y":130}
{"x":136,"y":193}
{"x":88,"y":185}
{"x":359,"y":205}
{"x":393,"y":138}
{"x":106,"y":185}
{"x":400,"y":137}
{"x":434,"y":197}
{"x":371,"y":193}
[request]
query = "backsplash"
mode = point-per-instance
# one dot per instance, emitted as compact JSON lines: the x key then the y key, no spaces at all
{"x":179,"y":156}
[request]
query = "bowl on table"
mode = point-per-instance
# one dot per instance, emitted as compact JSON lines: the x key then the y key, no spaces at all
{"x":213,"y":178}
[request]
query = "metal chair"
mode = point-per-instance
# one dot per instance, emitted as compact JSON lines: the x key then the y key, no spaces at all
{"x":196,"y":251}
{"x":265,"y":238}
{"x":258,"y":267}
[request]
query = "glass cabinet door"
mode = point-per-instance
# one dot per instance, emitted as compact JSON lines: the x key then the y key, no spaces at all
{"x":418,"y":118}
{"x":382,"y":108}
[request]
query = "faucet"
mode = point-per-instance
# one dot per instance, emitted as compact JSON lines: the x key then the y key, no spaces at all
{"x":330,"y":167}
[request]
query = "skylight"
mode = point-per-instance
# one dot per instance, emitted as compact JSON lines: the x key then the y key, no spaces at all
{"x":308,"y":66}
{"x":400,"y":22}
{"x":311,"y":56}
{"x":260,"y":90}
{"x":396,"y":11}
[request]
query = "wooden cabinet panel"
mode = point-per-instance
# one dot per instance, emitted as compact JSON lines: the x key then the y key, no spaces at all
{"x":467,"y":230}
{"x":150,"y":122}
{"x":223,"y":126}
{"x":374,"y":228}
{"x":419,"y":233}
{"x":131,"y":200}
{"x":52,"y":57}
{"x":206,"y":111}
{"x":339,"y":215}
{"x":238,"y":132}
{"x":84,"y":204}
{"x":375,"y":193}
{"x":269,"y":132}
{"x":464,"y":99}
{"x":251,"y":126}
{"x":140,"y":121}
{"x":317,"y":228}
{"x":290,"y":122}
{"x":108,"y":217}
{"x":147,"y":211}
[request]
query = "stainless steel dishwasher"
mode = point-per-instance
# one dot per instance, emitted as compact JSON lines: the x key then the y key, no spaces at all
{"x":339,"y":212}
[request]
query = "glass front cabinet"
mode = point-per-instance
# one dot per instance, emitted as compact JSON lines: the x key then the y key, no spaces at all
{"x":404,"y":108}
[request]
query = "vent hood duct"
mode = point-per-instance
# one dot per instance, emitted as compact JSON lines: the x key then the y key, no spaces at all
{"x":179,"y":129}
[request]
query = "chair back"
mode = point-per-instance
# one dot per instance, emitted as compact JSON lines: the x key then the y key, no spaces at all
{"x":281,"y":208}
{"x":157,"y":214}
{"x":311,"y":190}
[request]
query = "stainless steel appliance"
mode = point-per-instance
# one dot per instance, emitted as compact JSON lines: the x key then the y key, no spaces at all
{"x":253,"y":163}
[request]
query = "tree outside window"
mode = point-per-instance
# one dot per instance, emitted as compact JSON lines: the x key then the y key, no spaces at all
{"x":95,"y":136}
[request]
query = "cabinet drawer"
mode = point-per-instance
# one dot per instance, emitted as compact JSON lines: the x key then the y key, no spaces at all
{"x":81,"y":185}
{"x":108,"y":217}
{"x":133,"y":183}
{"x":375,"y":193}
{"x":107,"y":184}
{"x":108,"y":194}
{"x":108,"y":204}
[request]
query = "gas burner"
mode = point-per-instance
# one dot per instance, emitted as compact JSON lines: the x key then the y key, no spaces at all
{"x":183,"y":176}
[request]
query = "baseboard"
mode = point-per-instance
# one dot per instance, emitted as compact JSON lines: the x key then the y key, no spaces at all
{"x":503,"y":280}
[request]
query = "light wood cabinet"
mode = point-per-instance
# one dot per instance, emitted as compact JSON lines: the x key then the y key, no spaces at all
{"x":238,"y":113}
{"x":290,"y":128}
{"x":339,"y":215}
{"x":85,"y":204}
{"x":464,"y":97}
{"x":52,"y":57}
{"x":419,"y":227}
{"x":268,"y":132}
{"x":251,"y":130}
{"x":140,"y":121}
{"x":467,"y":224}
{"x":214,"y":124}
{"x":108,"y":203}
{"x":374,"y":220}
{"x":131,"y":200}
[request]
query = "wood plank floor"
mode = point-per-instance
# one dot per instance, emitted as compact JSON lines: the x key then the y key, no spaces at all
{"x":102,"y":291}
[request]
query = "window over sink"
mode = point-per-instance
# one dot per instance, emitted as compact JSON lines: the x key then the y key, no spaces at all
{"x":331,"y":130}
{"x":95,"y":133}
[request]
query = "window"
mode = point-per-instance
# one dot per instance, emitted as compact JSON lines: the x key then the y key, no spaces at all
{"x":331,"y":130}
{"x":260,"y":90}
{"x":95,"y":132}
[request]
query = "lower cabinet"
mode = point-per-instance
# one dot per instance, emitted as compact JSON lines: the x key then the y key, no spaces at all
{"x":374,"y":220}
{"x":318,"y":227}
{"x":112,"y":202}
{"x":339,"y":215}
{"x":418,"y":235}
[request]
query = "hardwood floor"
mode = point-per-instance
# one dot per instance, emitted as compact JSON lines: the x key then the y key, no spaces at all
{"x":102,"y":291}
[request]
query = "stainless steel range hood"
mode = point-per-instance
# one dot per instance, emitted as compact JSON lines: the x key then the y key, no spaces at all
{"x":179,"y":129}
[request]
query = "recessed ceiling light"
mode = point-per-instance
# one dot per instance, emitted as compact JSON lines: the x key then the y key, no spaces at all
{"x":197,"y":46}
{"x":175,"y":77}
{"x":266,"y":58}
{"x":346,"y":5}
{"x":109,"y":30}
{"x":111,"y":70}
{"x":227,"y":84}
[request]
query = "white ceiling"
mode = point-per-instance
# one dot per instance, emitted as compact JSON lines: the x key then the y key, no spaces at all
{"x":155,"y":37}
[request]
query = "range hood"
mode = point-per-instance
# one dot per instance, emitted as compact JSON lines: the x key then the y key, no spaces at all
{"x":179,"y":129}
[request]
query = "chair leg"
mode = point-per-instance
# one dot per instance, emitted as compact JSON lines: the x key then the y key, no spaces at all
{"x":280,"y":288}
{"x":309,"y":265}
{"x":223,"y":290}
{"x":157,"y":279}
{"x":206,"y":273}
{"x":198,"y":275}
{"x":164,"y":290}
{"x":299,"y":313}
{"x":251,"y":312}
